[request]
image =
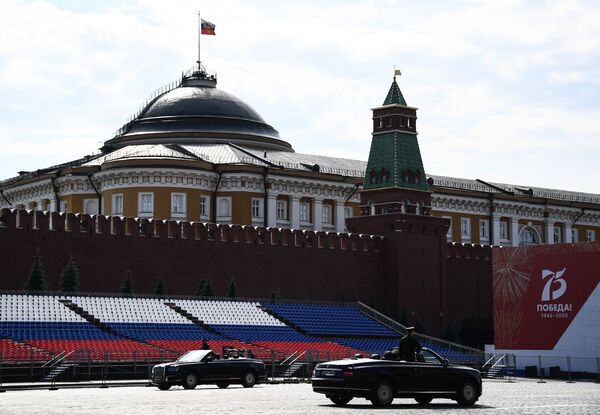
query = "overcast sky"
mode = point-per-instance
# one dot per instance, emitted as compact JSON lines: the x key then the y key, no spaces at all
{"x":507,"y":91}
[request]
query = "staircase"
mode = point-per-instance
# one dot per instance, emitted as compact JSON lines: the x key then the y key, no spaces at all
{"x":291,"y":371}
{"x":89,"y":317}
{"x":191,"y":317}
{"x":105,"y":327}
{"x":498,"y":367}
{"x":56,"y":371}
{"x":283,"y":320}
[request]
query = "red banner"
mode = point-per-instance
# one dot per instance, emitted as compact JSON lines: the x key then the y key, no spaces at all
{"x":538,"y":291}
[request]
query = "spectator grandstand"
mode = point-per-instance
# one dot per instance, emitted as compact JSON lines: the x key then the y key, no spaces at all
{"x":46,"y":328}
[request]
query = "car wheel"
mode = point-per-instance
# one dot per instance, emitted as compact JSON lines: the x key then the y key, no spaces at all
{"x":222,"y":385}
{"x":423,"y":400}
{"x":383,"y":394}
{"x":467,"y":394}
{"x":340,"y":400}
{"x":164,"y":387}
{"x":249,"y":379}
{"x":190,"y":381}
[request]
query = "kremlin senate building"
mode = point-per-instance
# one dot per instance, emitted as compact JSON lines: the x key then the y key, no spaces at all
{"x":197,"y":153}
{"x":197,"y":185}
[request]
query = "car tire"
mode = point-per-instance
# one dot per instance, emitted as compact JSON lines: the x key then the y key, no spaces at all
{"x":222,"y":385}
{"x":164,"y":387}
{"x":383,"y":394}
{"x":467,"y":394}
{"x":249,"y":379}
{"x":423,"y":400}
{"x":340,"y":400}
{"x":190,"y":380}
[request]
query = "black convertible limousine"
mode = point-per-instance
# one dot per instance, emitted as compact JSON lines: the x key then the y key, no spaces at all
{"x":204,"y":366}
{"x":382,"y":380}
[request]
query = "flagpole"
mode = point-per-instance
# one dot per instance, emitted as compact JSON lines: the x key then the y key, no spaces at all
{"x":199,"y":35}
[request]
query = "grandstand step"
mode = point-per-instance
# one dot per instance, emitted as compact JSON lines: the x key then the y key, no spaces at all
{"x":56,"y":371}
{"x":284,"y":320}
{"x":293,"y":369}
{"x":180,"y":310}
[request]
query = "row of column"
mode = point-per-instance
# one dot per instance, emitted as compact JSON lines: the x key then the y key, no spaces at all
{"x":338,"y":214}
{"x":548,"y":236}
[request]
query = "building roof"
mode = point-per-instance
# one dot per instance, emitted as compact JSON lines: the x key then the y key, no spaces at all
{"x":195,"y":111}
{"x":394,"y":95}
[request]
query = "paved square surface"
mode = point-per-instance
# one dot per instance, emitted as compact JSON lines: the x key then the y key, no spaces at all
{"x":521,"y":397}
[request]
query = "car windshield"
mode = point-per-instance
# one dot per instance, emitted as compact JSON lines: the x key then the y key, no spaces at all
{"x":194,"y":356}
{"x":430,"y":357}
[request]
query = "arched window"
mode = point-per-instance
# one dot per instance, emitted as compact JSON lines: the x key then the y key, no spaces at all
{"x":224,"y":207}
{"x":373,"y":177}
{"x":528,"y":236}
{"x":417,"y":176}
{"x":384,"y":175}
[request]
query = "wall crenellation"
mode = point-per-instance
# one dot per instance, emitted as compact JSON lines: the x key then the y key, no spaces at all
{"x":83,"y":224}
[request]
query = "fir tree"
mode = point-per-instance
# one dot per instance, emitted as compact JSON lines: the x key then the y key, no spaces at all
{"x":208,"y":288}
{"x":161,"y":288}
{"x":69,"y":279}
{"x":231,"y":289}
{"x":127,"y":287}
{"x":37,"y":276}
{"x":201,"y":289}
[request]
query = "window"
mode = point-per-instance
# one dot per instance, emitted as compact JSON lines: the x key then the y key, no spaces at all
{"x":282,"y":210}
{"x":484,"y":229}
{"x":204,"y":207}
{"x":388,"y":121}
{"x":465,"y":227}
{"x":90,"y":206}
{"x":408,"y":122}
{"x":347,"y":212}
{"x":117,"y":204}
{"x":178,"y":204}
{"x":63,"y":206}
{"x":503,"y":230}
{"x":224,"y":208}
{"x":449,"y":233}
{"x":590,"y":235}
{"x":257,"y":210}
{"x":304,"y":212}
{"x":574,"y":235}
{"x":557,"y":235}
{"x":528,"y":236}
{"x":145,"y":204}
{"x":326,"y":214}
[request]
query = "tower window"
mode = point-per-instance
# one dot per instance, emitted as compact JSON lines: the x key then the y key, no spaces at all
{"x":408,"y":122}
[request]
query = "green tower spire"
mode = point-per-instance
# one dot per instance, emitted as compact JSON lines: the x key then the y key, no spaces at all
{"x":395,"y":158}
{"x":394,"y":95}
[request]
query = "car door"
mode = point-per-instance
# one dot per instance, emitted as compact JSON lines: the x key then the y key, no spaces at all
{"x":405,"y":376}
{"x":434,"y":374}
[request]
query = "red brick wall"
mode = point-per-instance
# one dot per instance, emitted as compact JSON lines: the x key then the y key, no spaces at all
{"x":301,"y":265}
{"x":410,"y":269}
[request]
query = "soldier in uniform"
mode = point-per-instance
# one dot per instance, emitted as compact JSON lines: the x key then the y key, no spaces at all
{"x":409,"y":346}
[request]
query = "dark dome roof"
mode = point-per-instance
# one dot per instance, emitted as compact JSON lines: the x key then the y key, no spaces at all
{"x":196,"y":112}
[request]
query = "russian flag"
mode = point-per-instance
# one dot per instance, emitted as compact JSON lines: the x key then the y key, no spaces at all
{"x":207,"y":28}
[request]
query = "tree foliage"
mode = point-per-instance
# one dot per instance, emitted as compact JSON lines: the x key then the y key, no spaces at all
{"x":37,"y":276}
{"x":69,"y":279}
{"x":161,"y":288}
{"x":231,"y":289}
{"x":127,"y":287}
{"x":205,"y":288}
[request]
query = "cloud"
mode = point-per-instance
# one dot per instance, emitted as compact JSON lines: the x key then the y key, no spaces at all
{"x":504,"y":90}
